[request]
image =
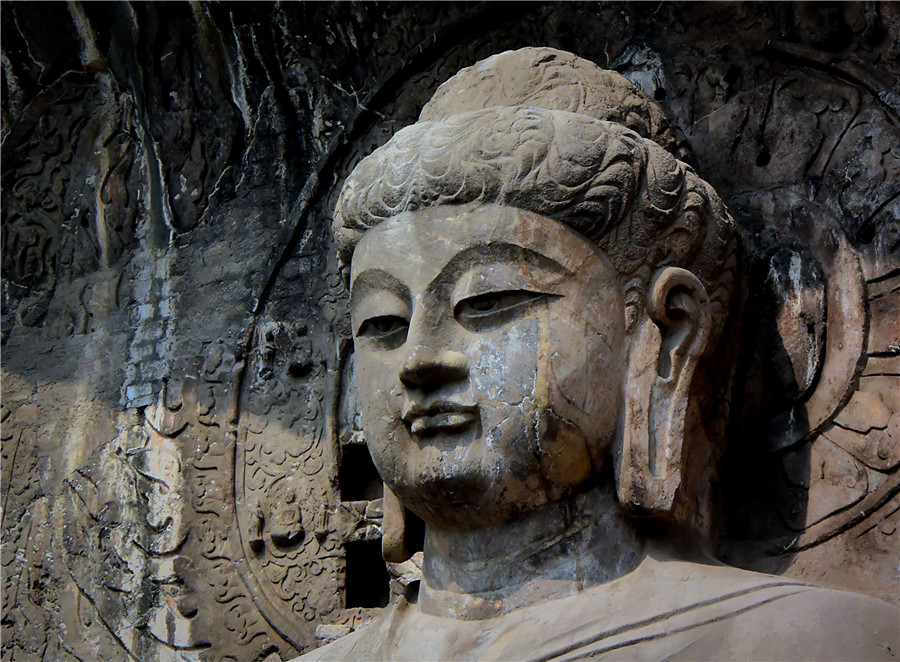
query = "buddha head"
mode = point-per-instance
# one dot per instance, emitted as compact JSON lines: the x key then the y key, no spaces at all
{"x":538,"y":287}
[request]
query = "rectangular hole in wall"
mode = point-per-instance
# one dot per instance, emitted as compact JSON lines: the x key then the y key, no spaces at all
{"x":367,"y":581}
{"x":358,"y":478}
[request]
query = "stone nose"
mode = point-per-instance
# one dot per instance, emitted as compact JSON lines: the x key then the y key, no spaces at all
{"x":428,"y":369}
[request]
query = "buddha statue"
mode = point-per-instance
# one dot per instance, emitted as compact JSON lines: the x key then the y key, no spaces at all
{"x":540,"y":292}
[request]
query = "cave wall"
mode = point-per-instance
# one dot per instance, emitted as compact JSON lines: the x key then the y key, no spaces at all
{"x":183,"y":472}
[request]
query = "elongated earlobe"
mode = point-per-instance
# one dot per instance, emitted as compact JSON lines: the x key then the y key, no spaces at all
{"x":396,"y":543}
{"x":666,"y":348}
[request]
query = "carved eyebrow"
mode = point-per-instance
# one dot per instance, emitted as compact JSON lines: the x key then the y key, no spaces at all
{"x":496,"y":252}
{"x":376,"y":279}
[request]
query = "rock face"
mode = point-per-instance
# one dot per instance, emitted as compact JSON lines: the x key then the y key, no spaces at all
{"x":184,"y":469}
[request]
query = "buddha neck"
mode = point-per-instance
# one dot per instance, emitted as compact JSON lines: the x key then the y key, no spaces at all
{"x":549,"y":553}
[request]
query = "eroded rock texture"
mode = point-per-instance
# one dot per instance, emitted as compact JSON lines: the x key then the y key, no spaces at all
{"x":184,"y":473}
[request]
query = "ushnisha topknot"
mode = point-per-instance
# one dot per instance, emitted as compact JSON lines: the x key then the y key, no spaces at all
{"x":554,"y":80}
{"x":544,"y":131}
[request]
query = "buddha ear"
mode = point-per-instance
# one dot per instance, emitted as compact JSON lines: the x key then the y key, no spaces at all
{"x":667,"y":344}
{"x":395,"y":543}
{"x":403,"y":532}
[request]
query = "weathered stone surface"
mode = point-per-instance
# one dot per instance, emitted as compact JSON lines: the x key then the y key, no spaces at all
{"x":183,"y":468}
{"x":564,"y":289}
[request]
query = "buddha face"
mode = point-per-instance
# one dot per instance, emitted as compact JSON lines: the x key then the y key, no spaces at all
{"x":490,"y":361}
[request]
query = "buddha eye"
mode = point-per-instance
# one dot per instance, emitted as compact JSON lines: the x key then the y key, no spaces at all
{"x":388,"y":330}
{"x":489,"y":311}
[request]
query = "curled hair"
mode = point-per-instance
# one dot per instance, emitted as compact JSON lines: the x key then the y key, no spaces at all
{"x":555,"y":80}
{"x":626,"y":194}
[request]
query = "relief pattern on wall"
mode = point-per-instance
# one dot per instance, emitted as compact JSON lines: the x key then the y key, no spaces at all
{"x":184,"y":476}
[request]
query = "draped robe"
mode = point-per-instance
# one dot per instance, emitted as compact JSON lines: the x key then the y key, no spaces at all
{"x":663,"y":610}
